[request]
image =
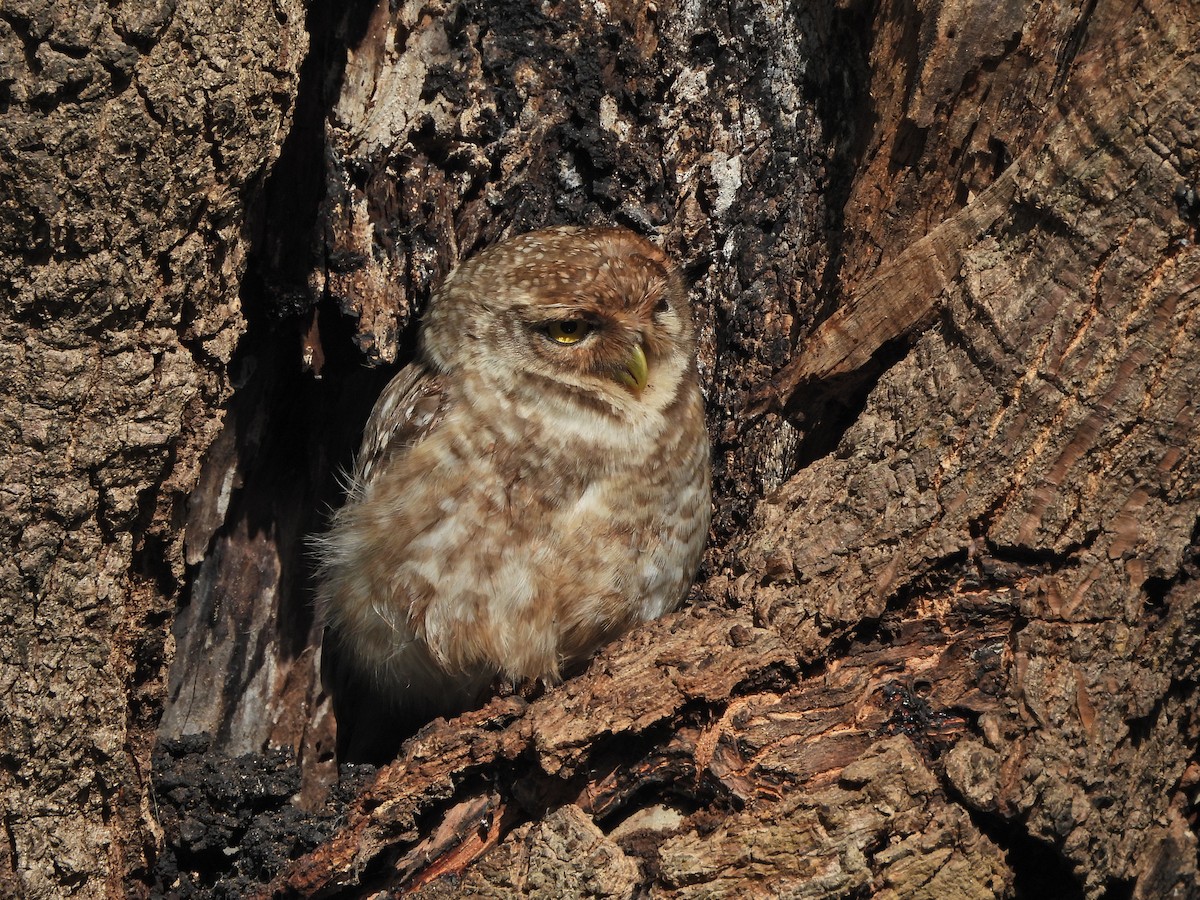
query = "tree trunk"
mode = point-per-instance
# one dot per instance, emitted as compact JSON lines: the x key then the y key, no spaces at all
{"x":945,"y":641}
{"x":135,"y":138}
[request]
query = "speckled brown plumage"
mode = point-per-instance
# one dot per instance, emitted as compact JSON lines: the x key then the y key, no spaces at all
{"x":535,"y":483}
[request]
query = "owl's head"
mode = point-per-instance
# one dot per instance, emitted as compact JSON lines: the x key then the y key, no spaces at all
{"x":593,"y":310}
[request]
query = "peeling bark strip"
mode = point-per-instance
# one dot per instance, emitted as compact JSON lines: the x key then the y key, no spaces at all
{"x":898,"y":301}
{"x":740,"y":741}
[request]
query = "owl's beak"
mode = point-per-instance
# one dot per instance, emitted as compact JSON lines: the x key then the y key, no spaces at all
{"x":636,"y":372}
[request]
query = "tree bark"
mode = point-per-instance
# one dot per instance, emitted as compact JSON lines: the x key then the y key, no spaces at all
{"x":943,"y":256}
{"x":133,"y":138}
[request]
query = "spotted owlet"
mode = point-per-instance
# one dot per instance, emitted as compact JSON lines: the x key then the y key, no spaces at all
{"x":535,"y":483}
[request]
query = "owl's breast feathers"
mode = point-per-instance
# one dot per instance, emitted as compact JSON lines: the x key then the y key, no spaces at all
{"x":509,"y":546}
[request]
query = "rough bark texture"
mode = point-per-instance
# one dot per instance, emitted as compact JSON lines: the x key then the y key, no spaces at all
{"x":945,"y":641}
{"x":134,"y":138}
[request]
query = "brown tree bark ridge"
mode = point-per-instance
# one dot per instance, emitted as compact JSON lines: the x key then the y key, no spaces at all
{"x":946,"y":642}
{"x":132,"y":136}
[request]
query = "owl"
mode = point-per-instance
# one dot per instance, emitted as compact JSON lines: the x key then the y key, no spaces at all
{"x":531,"y":486}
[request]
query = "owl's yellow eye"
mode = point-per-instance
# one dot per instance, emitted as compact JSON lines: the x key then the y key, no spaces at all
{"x":568,"y":331}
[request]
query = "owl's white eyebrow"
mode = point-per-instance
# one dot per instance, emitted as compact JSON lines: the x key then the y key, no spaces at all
{"x":558,"y":312}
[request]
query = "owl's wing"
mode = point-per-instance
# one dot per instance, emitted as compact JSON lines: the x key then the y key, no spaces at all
{"x":370,"y":724}
{"x":411,"y":406}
